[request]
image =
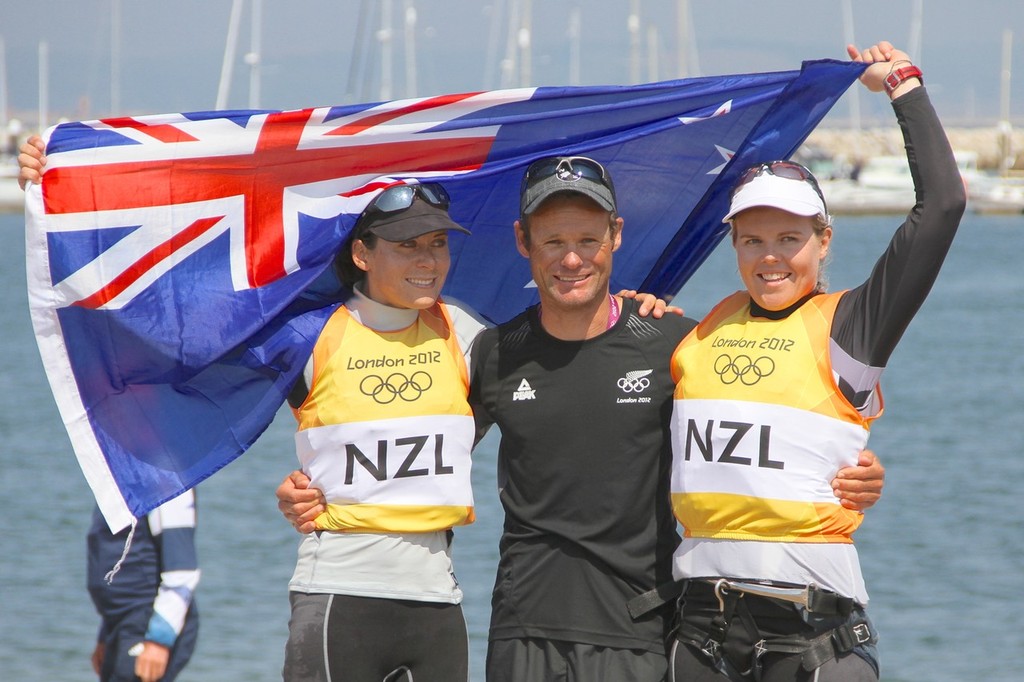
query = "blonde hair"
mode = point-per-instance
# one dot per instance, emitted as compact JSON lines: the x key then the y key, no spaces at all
{"x":821,"y":222}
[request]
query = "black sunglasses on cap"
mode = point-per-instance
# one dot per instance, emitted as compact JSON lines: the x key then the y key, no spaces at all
{"x":567,"y":168}
{"x":790,"y":170}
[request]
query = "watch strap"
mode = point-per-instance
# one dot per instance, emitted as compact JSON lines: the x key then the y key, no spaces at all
{"x":896,"y":77}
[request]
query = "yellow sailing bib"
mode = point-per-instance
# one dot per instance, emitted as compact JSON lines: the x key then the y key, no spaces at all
{"x":386,"y":431}
{"x":760,"y":428}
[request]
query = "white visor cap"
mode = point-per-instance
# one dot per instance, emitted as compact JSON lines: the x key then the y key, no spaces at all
{"x":788,"y":194}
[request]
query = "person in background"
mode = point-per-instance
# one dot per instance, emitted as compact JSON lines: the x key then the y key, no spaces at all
{"x":149,"y":620}
{"x":773,"y":588}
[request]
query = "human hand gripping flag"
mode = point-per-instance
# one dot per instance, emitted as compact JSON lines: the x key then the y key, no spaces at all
{"x":178,"y":265}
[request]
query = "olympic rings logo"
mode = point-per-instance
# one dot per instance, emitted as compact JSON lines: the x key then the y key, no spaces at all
{"x":743,"y":368}
{"x":635,"y":382}
{"x":396,"y":385}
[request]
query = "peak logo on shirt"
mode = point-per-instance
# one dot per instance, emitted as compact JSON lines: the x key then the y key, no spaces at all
{"x":524,"y":392}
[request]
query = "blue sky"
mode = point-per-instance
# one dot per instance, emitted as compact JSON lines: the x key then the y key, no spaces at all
{"x":171,"y":52}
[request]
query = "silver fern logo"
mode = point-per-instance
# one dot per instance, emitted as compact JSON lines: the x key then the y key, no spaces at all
{"x":635,"y":381}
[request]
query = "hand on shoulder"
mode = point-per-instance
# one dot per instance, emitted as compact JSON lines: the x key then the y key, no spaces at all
{"x":649,"y":304}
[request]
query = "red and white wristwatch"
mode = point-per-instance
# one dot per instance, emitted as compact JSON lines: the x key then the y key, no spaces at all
{"x":896,"y":77}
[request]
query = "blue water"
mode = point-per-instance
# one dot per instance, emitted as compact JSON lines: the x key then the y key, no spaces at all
{"x":943,"y":552}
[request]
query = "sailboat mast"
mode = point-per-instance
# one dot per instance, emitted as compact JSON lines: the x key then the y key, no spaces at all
{"x":575,"y":26}
{"x":633,"y":26}
{"x":509,"y":61}
{"x":853,"y":93}
{"x":914,"y":40}
{"x":410,"y":49}
{"x":115,"y":57}
{"x":652,"y":53}
{"x":355,"y":66}
{"x":3,"y":92}
{"x":1005,"y":128}
{"x":384,"y":35}
{"x":44,"y":85}
{"x":253,"y":57}
{"x":227,"y":65}
{"x":685,"y":46}
{"x":524,"y":41}
{"x":1004,"y":80}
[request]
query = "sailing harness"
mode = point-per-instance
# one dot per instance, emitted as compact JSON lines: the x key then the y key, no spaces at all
{"x":814,"y":648}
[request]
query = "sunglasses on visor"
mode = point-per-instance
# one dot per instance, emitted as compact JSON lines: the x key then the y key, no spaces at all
{"x":400,"y":197}
{"x":790,"y":170}
{"x":568,"y":169}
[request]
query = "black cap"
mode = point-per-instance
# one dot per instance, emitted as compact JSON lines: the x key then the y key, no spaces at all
{"x":419,"y":219}
{"x":564,"y":177}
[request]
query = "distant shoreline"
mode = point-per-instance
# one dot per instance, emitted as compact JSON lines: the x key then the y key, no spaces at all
{"x":858,"y":146}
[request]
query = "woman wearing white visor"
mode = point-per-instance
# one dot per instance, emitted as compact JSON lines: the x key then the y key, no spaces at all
{"x":776,"y":390}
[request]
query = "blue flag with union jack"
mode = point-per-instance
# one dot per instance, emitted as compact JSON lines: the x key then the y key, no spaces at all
{"x":178,"y":264}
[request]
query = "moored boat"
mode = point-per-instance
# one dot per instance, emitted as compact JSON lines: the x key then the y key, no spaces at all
{"x":996,"y":194}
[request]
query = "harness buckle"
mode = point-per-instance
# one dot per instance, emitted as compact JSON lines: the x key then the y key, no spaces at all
{"x":847,"y":637}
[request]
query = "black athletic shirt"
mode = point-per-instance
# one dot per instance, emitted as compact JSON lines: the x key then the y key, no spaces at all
{"x":584,"y":473}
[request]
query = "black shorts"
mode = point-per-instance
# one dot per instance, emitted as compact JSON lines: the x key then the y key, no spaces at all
{"x":519,"y":660}
{"x":363,"y":638}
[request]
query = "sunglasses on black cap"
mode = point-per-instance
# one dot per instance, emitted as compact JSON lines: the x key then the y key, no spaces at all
{"x":790,"y":170}
{"x":567,"y":168}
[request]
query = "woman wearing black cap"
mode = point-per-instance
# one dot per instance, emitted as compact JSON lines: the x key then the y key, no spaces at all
{"x":776,"y":390}
{"x":385,"y":432}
